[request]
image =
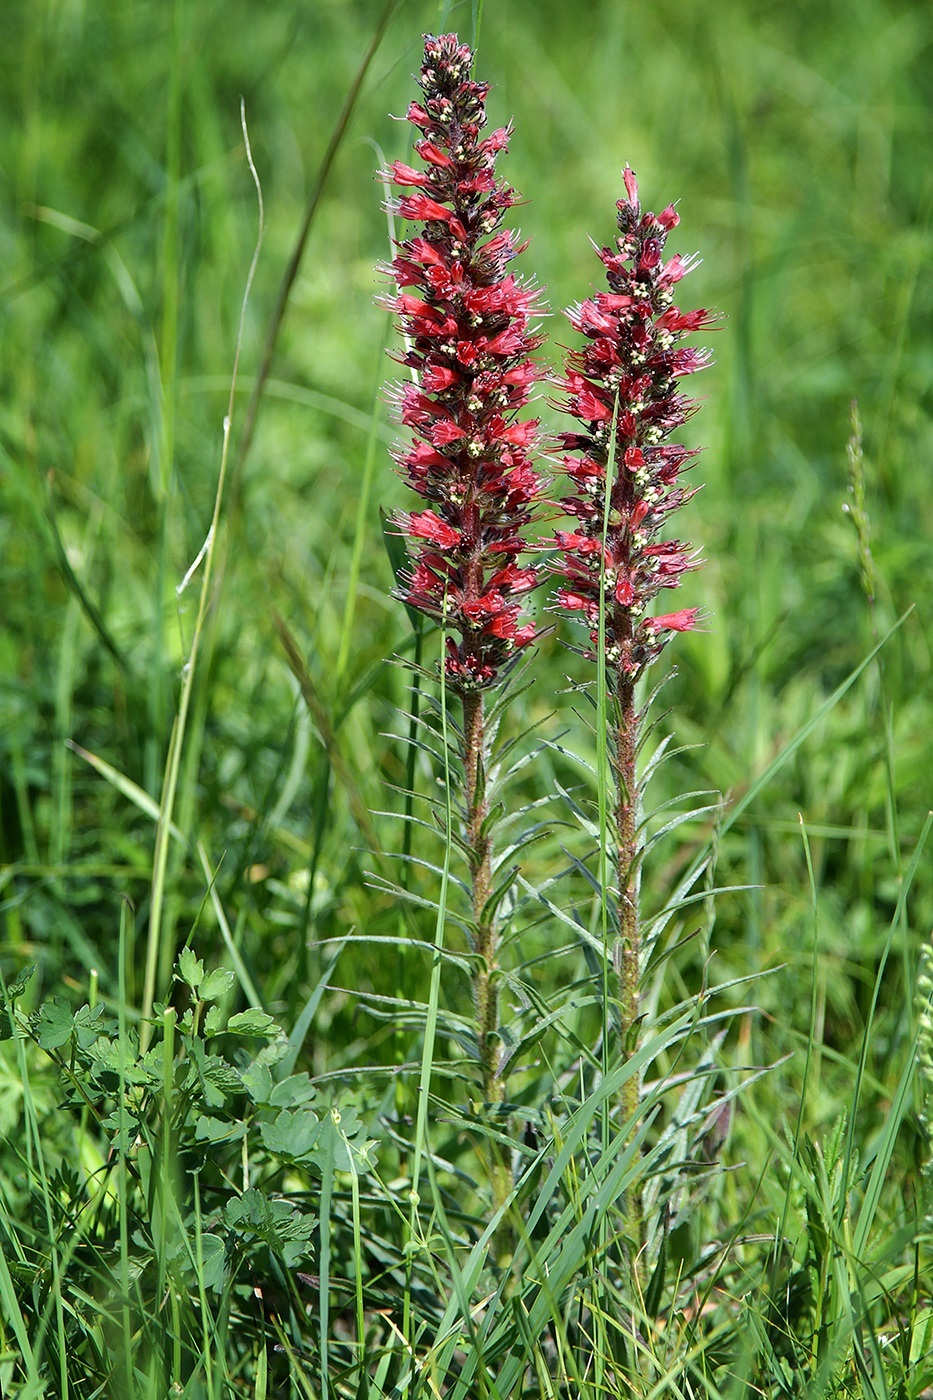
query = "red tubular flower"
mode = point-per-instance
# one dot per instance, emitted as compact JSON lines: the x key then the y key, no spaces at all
{"x":467,"y":324}
{"x":632,"y":359}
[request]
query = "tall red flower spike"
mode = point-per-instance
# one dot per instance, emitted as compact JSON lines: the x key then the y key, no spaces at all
{"x":466,"y":323}
{"x":466,"y":320}
{"x":634,"y":355}
{"x":628,"y":374}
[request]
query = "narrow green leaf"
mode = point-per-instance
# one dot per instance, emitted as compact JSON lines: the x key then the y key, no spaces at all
{"x":654,"y":1293}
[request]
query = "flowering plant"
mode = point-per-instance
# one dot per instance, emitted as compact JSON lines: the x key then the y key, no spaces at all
{"x":623,"y":388}
{"x":466,"y":320}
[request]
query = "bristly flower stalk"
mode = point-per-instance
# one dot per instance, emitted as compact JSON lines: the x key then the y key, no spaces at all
{"x":628,"y":374}
{"x":466,"y":320}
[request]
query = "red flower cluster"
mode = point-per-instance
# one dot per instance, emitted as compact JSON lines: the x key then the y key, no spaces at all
{"x":633,"y":358}
{"x":466,"y":323}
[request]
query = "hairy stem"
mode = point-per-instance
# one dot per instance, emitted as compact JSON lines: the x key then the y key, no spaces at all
{"x":627,"y":857}
{"x":627,"y":805}
{"x":479,"y":846}
{"x":480,"y":858}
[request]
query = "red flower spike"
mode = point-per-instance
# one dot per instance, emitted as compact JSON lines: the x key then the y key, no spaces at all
{"x":621,"y":386}
{"x":467,"y":322}
{"x":631,"y":358}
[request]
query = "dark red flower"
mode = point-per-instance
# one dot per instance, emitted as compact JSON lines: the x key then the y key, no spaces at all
{"x":467,"y":324}
{"x":627,"y":371}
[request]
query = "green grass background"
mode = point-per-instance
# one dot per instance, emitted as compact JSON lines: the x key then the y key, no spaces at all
{"x":796,"y":138}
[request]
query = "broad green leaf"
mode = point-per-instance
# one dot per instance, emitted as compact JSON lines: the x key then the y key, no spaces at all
{"x":257,"y":1081}
{"x":252,"y":1023}
{"x":216,"y":983}
{"x":207,"y":1129}
{"x":213,"y":1259}
{"x":338,"y":1128}
{"x":124,"y":1129}
{"x":190,"y":968}
{"x":292,"y":1135}
{"x":214,"y":1021}
{"x":91,"y":1025}
{"x":286,"y":1230}
{"x":54,"y":1024}
{"x":296,"y":1089}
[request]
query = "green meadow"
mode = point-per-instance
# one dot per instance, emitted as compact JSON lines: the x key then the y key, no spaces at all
{"x":243,"y":1146}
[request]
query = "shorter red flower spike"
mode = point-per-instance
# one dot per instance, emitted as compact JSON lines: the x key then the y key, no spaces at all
{"x":467,"y":325}
{"x":629,"y":370}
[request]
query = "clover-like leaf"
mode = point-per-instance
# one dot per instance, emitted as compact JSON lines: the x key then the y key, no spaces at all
{"x":216,"y":984}
{"x":291,"y":1135}
{"x":207,"y":1129}
{"x":289,"y":1093}
{"x":257,"y":1081}
{"x":190,"y":968}
{"x":54,"y":1024}
{"x":90,"y":1025}
{"x":284,"y":1229}
{"x":214,"y":1021}
{"x":252,"y":1022}
{"x":212,"y":1271}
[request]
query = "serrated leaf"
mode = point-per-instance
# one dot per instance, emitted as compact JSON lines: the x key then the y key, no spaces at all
{"x":291,"y":1135}
{"x":252,"y":1022}
{"x":296,"y":1089}
{"x":216,"y":1077}
{"x":190,"y":968}
{"x":275,"y":1051}
{"x":246,"y":1212}
{"x":214,"y":1021}
{"x":124,"y":1132}
{"x":220,"y":1072}
{"x":338,"y":1128}
{"x":54,"y":1024}
{"x":257,"y":1081}
{"x":212,"y":1270}
{"x":216,"y":983}
{"x":276,"y":1223}
{"x":207,"y":1129}
{"x":15,"y":989}
{"x":90,"y":1025}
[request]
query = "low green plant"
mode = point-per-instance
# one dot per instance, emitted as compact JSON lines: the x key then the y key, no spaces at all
{"x":169,"y":1258}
